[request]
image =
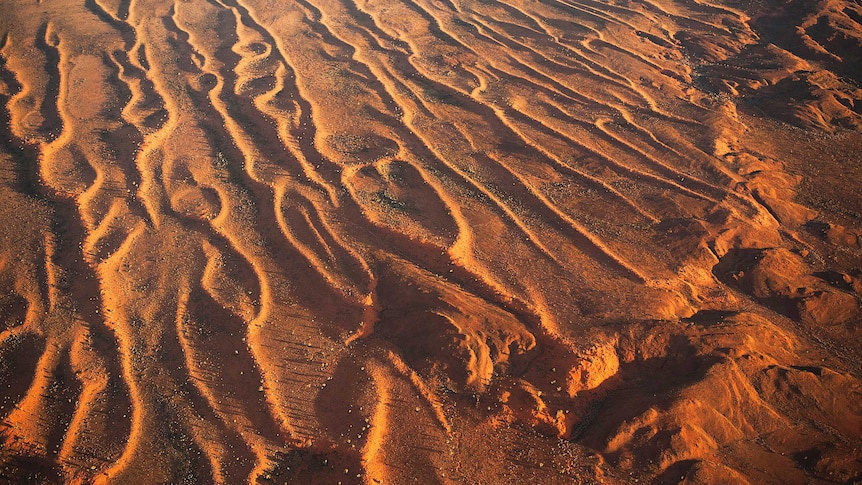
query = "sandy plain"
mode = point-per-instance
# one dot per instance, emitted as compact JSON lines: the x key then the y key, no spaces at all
{"x":430,"y":241}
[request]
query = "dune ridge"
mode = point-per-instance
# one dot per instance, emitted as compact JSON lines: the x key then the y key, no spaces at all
{"x":458,"y":241}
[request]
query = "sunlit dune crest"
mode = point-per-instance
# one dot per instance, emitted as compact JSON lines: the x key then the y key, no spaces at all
{"x":430,"y":241}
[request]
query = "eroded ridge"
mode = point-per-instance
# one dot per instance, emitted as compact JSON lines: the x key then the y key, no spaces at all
{"x":458,"y":241}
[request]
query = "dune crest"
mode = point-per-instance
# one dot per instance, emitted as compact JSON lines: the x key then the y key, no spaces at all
{"x":459,"y":241}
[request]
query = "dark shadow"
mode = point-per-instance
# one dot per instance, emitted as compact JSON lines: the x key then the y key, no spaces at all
{"x":706,"y":318}
{"x":675,"y":473}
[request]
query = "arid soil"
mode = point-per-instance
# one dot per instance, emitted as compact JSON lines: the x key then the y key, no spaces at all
{"x":430,"y":241}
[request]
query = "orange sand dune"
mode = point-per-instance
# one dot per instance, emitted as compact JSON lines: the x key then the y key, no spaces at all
{"x":433,"y":241}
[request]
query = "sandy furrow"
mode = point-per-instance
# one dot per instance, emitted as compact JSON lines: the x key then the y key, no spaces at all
{"x":373,"y":462}
{"x":152,"y":194}
{"x":519,"y":123}
{"x":25,"y":176}
{"x":583,"y":176}
{"x":392,"y":79}
{"x":99,"y":427}
{"x":613,"y":154}
{"x":29,"y":108}
{"x":592,"y":240}
{"x":527,"y":56}
{"x":52,"y":123}
{"x":116,"y":20}
{"x":143,"y":416}
{"x":440,"y":156}
{"x":249,"y":69}
{"x":64,"y":260}
{"x":40,"y":419}
{"x":431,"y":180}
{"x":406,"y":405}
{"x":560,"y":28}
{"x":260,"y":444}
{"x":425,"y":177}
{"x":145,"y":109}
{"x":104,"y":201}
{"x":275,"y":299}
{"x":537,"y":297}
{"x":454,"y":251}
{"x":585,"y":239}
{"x":686,"y":183}
{"x":205,"y":347}
{"x":282,"y":186}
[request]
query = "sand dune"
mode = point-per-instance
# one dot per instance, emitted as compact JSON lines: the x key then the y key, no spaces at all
{"x":458,"y":241}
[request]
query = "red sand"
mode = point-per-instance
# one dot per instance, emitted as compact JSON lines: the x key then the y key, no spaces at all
{"x":433,"y":241}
